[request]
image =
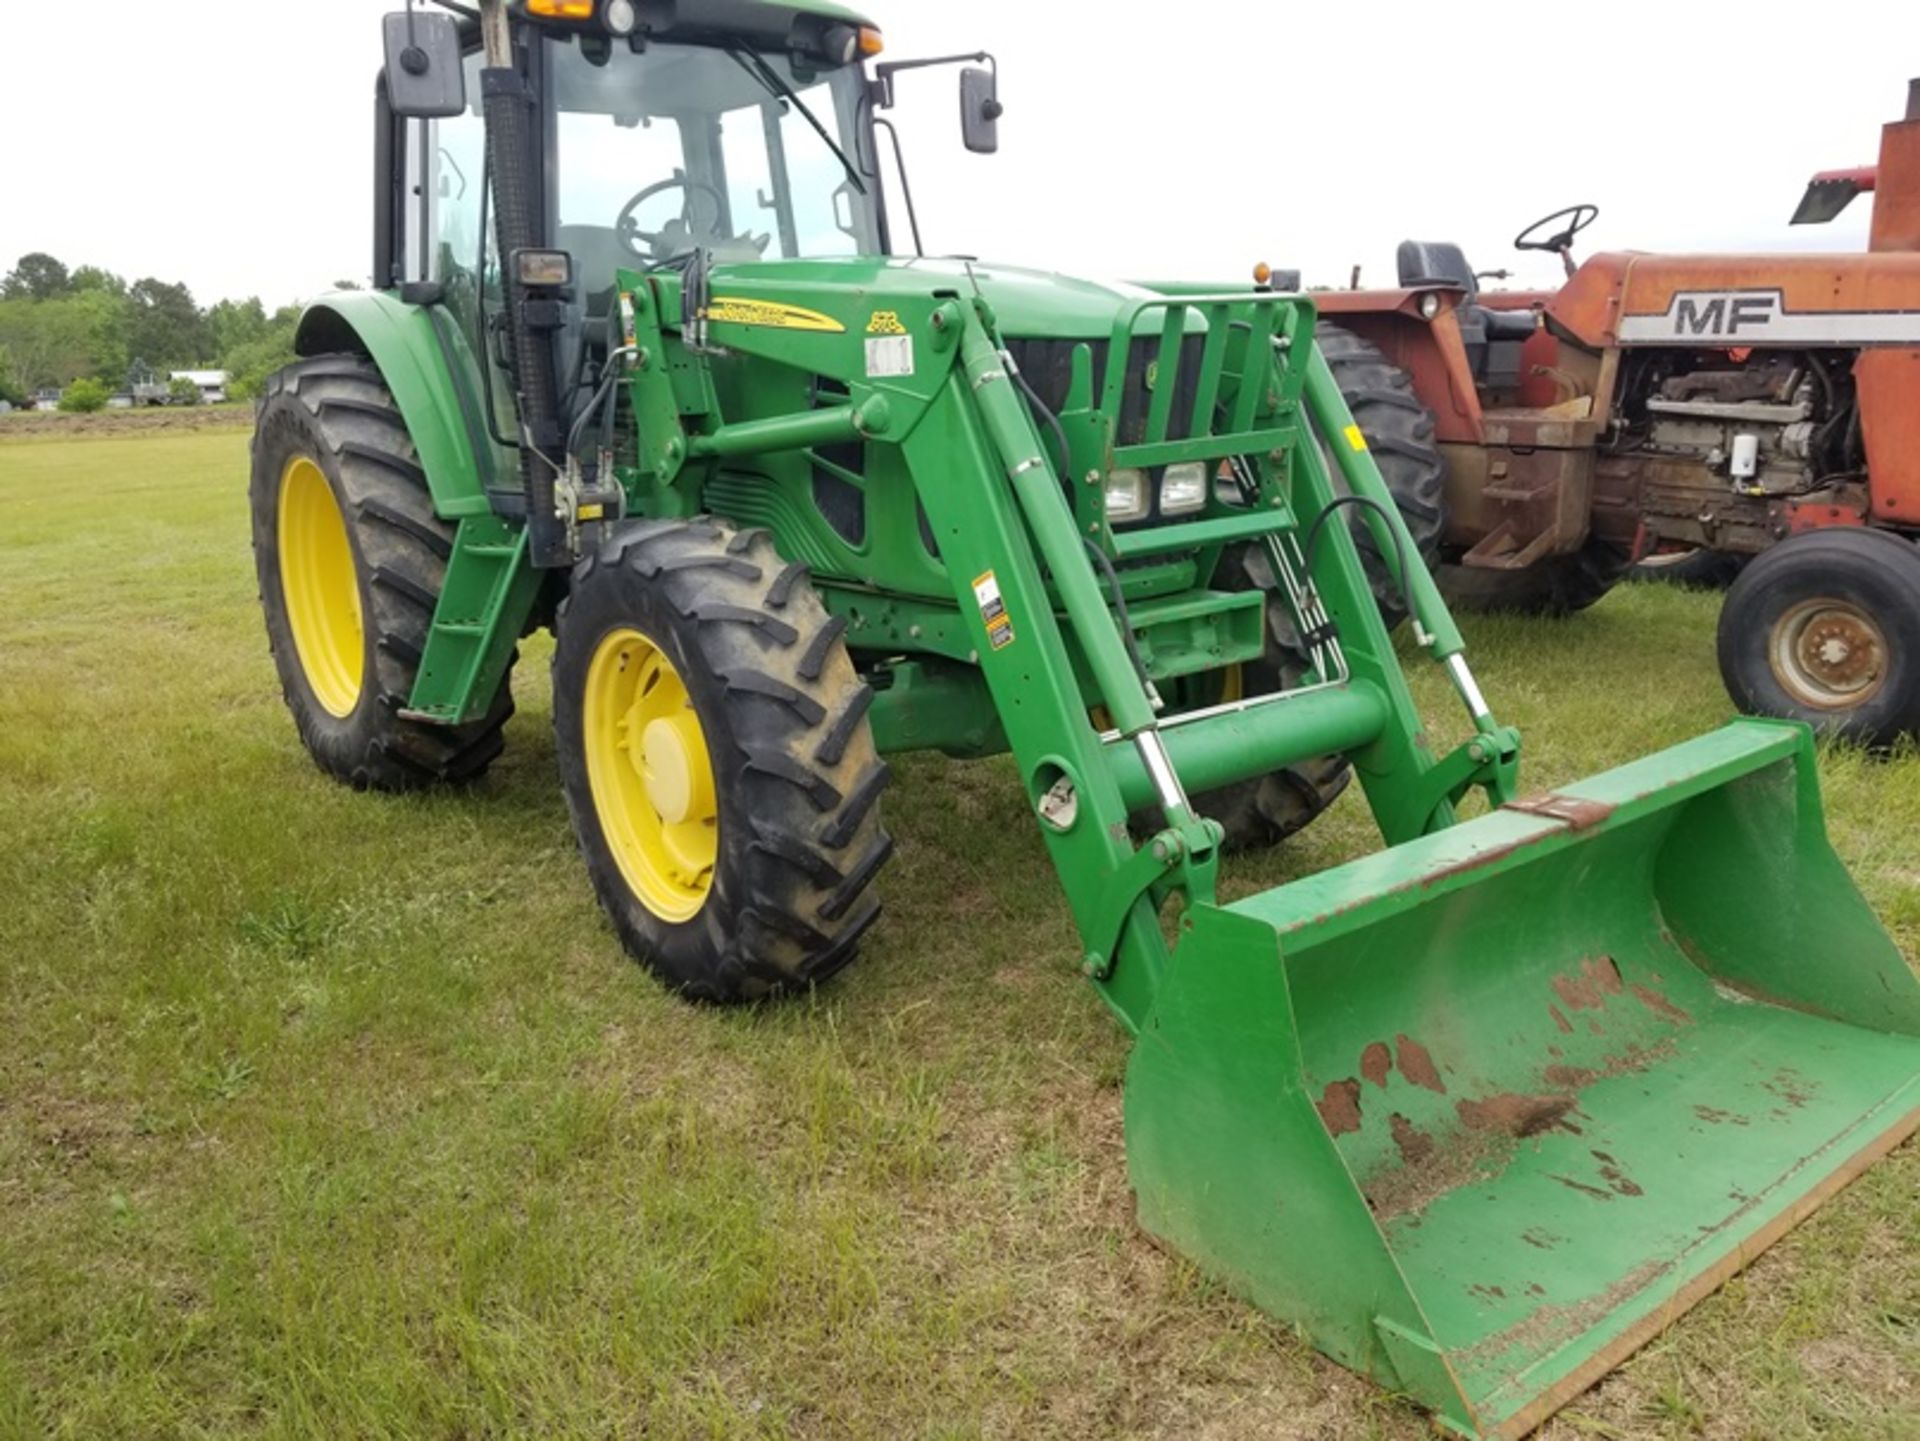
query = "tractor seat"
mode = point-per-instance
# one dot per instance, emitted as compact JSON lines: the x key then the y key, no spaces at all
{"x":1508,"y":324}
{"x":1435,"y":262}
{"x":597,"y":253}
{"x":1493,"y":337}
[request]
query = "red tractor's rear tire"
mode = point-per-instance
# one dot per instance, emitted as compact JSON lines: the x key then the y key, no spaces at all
{"x":1399,"y":429}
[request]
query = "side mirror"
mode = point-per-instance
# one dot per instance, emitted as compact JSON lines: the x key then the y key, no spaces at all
{"x":980,"y":110}
{"x":424,"y":78}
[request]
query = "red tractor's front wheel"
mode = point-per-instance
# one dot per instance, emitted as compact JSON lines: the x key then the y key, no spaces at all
{"x":1825,"y":628}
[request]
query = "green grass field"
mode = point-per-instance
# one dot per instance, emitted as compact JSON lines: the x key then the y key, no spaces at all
{"x":331,"y":1115}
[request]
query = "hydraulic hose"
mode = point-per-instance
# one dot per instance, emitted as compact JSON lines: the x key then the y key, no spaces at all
{"x":1399,"y":541}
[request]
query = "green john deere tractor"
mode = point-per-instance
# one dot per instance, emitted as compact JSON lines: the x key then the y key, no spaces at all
{"x":1479,"y":1112}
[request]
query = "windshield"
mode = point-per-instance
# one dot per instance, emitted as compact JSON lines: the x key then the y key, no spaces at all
{"x":748,"y":156}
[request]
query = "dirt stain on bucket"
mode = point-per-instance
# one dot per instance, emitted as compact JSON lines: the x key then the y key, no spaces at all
{"x":1514,"y":1114}
{"x":1375,"y":1062}
{"x":1339,"y":1106}
{"x":1661,"y":1006}
{"x":1619,"y":1180}
{"x":1416,"y":1064}
{"x":1588,"y":989}
{"x":1415,"y":1145}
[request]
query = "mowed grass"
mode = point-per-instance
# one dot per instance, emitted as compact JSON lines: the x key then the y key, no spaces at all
{"x":326,"y":1114}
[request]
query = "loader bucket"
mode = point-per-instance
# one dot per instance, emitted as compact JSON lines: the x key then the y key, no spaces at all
{"x":1484,"y":1112}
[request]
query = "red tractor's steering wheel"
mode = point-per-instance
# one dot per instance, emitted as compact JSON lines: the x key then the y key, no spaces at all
{"x":1577,"y":218}
{"x":1571,"y":221}
{"x":664,"y":239}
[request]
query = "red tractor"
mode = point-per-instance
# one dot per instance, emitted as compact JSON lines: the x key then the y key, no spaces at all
{"x":1751,"y":405}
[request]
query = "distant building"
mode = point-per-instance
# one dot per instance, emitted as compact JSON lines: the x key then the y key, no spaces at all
{"x":48,"y":399}
{"x":212,"y":384}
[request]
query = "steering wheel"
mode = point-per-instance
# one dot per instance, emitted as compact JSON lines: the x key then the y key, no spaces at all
{"x":1577,"y":218}
{"x":628,"y":228}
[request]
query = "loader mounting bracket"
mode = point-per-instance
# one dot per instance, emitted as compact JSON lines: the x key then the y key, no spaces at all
{"x":1491,"y":760}
{"x":1149,"y":873}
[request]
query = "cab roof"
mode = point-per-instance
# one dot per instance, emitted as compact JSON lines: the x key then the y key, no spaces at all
{"x":770,"y":23}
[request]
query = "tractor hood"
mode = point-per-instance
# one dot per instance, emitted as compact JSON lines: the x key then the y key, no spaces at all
{"x":1030,"y":304}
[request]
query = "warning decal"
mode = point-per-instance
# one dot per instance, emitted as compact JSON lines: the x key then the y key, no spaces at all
{"x":993,"y":610}
{"x":889,"y":355}
{"x":1355,"y":438}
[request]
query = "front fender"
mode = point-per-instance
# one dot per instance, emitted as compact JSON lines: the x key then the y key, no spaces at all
{"x":417,"y":363}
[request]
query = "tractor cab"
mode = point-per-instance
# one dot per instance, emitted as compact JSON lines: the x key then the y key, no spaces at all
{"x":676,"y":148}
{"x":669,"y":142}
{"x":638,"y":137}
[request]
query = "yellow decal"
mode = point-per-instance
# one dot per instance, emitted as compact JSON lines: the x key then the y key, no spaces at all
{"x":885,"y":322}
{"x":1355,"y":438}
{"x":733,"y":310}
{"x":993,"y":610}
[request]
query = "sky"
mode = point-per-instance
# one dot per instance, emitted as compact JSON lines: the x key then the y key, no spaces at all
{"x":1139,"y":140}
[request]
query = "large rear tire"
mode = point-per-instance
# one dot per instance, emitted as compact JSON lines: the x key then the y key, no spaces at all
{"x":717,"y":760}
{"x":351,"y":559}
{"x":1399,"y":430}
{"x":1825,"y":628}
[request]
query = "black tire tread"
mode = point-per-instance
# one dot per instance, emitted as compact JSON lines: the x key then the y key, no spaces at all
{"x":1400,"y":432}
{"x":1875,"y":570}
{"x":791,"y":736}
{"x":339,"y":405}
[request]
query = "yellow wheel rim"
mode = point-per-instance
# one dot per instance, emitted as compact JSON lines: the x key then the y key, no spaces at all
{"x":650,"y":775}
{"x":321,"y":589}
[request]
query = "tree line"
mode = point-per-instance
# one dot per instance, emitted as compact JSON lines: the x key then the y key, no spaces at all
{"x":87,"y":327}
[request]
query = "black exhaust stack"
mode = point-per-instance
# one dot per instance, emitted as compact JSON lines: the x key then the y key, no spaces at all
{"x":508,"y":102}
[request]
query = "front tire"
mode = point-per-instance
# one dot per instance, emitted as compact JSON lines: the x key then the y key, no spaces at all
{"x":717,"y":760}
{"x":351,"y":559}
{"x":1825,"y":628}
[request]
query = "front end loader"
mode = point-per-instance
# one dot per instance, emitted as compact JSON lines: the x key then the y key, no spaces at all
{"x":1479,"y":1113}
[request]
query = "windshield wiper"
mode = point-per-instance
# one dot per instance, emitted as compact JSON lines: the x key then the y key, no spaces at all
{"x":769,"y":78}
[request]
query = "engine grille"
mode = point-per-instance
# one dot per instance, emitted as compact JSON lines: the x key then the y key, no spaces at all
{"x":1048,"y":367}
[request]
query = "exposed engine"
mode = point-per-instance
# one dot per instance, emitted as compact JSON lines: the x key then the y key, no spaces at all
{"x":1766,"y":423}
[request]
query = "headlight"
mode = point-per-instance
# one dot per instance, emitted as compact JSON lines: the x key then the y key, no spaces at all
{"x":1126,"y":495}
{"x":620,"y":17}
{"x":1183,"y":488}
{"x":1429,"y":305}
